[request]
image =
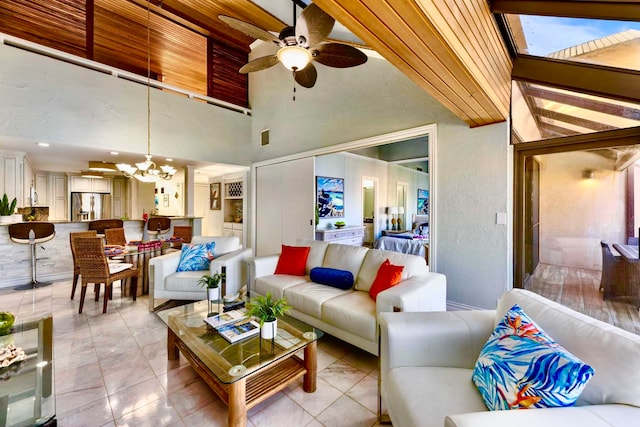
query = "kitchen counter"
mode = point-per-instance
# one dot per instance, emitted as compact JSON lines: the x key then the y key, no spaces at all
{"x":54,"y":257}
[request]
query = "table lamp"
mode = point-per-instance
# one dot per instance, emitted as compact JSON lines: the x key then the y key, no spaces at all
{"x":393,"y":210}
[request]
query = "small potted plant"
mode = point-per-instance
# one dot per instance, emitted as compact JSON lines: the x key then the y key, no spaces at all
{"x":7,"y":209}
{"x":211,"y":282}
{"x":267,"y":310}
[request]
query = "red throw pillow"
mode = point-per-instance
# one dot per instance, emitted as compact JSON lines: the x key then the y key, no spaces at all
{"x":293,"y":260}
{"x":388,"y":275}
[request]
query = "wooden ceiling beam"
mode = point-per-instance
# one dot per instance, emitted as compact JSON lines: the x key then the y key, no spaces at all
{"x":598,"y":9}
{"x":573,"y":120}
{"x":616,"y":83}
{"x":586,"y":103}
{"x":558,"y":130}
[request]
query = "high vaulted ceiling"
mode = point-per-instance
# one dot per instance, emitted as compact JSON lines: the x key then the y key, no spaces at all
{"x":452,"y":49}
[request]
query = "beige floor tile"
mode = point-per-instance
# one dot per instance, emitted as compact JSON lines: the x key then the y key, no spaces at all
{"x":316,"y":402}
{"x":155,"y":414}
{"x":366,"y":393}
{"x":215,"y":414}
{"x":341,"y":375}
{"x":347,"y":413}
{"x":283,"y":412}
{"x":193,"y":397}
{"x":135,"y":397}
{"x":95,"y":413}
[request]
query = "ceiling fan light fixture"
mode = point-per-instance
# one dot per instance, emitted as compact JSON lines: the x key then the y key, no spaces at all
{"x":294,"y":58}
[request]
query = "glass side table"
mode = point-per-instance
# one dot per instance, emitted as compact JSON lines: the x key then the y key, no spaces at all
{"x":27,"y":394}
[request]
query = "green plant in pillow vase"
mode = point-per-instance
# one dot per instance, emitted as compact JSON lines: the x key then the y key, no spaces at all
{"x":7,"y":209}
{"x":211,"y":282}
{"x":267,"y":310}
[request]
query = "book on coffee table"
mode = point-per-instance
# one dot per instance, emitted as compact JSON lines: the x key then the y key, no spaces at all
{"x":241,"y":329}
{"x":225,"y":318}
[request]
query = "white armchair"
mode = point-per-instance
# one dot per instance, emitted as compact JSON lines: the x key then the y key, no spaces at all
{"x":427,"y":359}
{"x":166,"y":283}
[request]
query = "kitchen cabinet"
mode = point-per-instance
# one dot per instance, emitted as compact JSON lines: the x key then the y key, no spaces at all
{"x":27,"y":182}
{"x":41,"y":185}
{"x":11,"y":173}
{"x":58,"y":200}
{"x":118,"y":199}
{"x":232,"y":229}
{"x":90,"y":185}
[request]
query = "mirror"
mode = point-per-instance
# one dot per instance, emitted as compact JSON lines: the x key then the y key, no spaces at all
{"x":369,"y":209}
{"x":401,"y":202}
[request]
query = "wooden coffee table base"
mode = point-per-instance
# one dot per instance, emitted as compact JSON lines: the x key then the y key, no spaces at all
{"x":255,"y":388}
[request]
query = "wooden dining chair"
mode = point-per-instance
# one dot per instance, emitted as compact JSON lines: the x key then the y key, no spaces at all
{"x":76,"y":267}
{"x":115,"y":236}
{"x":94,"y":268}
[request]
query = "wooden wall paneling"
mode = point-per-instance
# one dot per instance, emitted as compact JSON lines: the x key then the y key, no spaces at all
{"x":59,"y":24}
{"x":227,"y":83}
{"x":177,"y":53}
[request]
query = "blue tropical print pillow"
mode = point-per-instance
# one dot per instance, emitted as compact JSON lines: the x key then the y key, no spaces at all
{"x":521,"y":367}
{"x":196,"y":257}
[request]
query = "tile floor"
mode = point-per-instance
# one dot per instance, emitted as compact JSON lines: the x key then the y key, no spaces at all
{"x":112,"y":370}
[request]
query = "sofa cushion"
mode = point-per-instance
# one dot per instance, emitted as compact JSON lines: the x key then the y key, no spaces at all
{"x":184,"y":281}
{"x":293,"y":260}
{"x":413,"y":266}
{"x":345,"y":257}
{"x":316,"y":254}
{"x":196,"y":257}
{"x":591,"y":340}
{"x":353,"y":312}
{"x":424,"y":396}
{"x":522,"y":367}
{"x":340,"y":279}
{"x":388,"y":275}
{"x":277,"y":284}
{"x":309,"y":297}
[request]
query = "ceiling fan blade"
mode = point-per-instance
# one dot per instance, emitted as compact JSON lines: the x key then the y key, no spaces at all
{"x":338,"y":55}
{"x":313,"y":26}
{"x":259,"y":64}
{"x":307,"y":76}
{"x":250,"y":29}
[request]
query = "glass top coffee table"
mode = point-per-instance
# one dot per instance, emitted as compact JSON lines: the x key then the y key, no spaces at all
{"x":27,"y":395}
{"x":248,"y":371}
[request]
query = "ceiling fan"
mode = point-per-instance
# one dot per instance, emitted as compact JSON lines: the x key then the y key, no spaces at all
{"x":300,"y":46}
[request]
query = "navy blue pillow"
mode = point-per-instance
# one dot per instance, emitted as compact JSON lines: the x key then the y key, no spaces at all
{"x":340,"y":279}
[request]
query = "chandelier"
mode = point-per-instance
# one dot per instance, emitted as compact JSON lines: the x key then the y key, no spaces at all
{"x":147,"y":171}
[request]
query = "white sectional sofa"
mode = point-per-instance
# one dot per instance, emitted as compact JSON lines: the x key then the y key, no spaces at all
{"x":165,"y":282}
{"x":427,"y":360}
{"x":350,"y":315}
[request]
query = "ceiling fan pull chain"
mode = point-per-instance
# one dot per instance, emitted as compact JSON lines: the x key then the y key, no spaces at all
{"x":294,"y":86}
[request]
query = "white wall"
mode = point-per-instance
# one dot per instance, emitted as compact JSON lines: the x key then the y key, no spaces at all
{"x":577,"y":213}
{"x":53,"y":101}
{"x":474,"y":172}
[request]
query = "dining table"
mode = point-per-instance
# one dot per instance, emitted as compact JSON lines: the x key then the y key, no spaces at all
{"x":628,"y":252}
{"x":138,"y":254}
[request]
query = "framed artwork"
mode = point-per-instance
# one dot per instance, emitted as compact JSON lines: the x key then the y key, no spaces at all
{"x":423,"y":202}
{"x":214,"y":196}
{"x":330,"y":197}
{"x":165,"y":200}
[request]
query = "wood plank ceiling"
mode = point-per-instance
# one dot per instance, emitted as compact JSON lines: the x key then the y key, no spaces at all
{"x":452,"y":49}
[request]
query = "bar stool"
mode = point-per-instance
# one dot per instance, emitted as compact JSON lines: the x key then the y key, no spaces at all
{"x":32,"y":233}
{"x":158,"y":225}
{"x":102,"y":224}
